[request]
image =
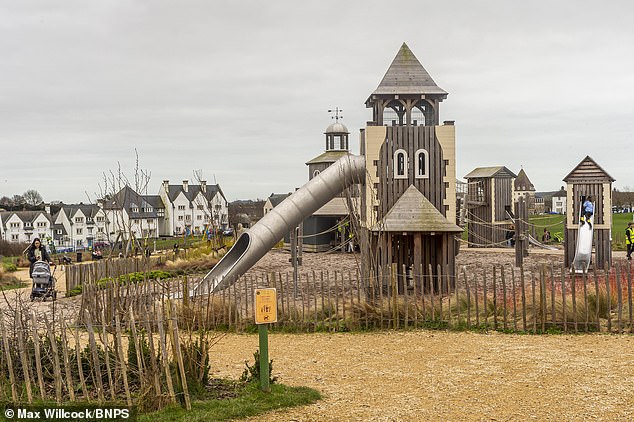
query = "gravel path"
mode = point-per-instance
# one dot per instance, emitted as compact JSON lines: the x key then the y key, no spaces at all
{"x":423,"y":375}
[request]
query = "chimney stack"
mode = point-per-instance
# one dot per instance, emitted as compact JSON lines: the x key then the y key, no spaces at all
{"x":203,"y":186}
{"x":185,"y":185}
{"x":166,"y":185}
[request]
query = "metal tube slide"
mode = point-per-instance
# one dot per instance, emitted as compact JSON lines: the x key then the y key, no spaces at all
{"x":256,"y":242}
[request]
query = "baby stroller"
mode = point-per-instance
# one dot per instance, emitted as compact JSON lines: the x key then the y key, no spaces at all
{"x":43,"y":281}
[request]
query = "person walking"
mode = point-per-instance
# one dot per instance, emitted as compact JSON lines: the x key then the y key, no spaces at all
{"x":37,"y":252}
{"x":629,"y":239}
{"x":586,"y":211}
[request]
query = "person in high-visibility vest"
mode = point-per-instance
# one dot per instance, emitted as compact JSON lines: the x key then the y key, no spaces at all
{"x":629,"y":239}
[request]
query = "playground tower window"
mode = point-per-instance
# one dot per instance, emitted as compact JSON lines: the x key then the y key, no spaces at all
{"x":422,"y":164}
{"x":400,"y":164}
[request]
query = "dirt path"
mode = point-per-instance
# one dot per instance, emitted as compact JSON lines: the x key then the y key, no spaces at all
{"x":423,"y":375}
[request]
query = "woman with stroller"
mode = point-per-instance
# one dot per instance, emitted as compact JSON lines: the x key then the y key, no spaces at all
{"x":37,"y":252}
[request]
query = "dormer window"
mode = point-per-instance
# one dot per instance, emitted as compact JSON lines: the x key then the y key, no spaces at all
{"x":422,"y":164}
{"x":315,"y":173}
{"x":400,"y":164}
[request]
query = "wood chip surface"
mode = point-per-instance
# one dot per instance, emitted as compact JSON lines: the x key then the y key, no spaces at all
{"x":435,"y":375}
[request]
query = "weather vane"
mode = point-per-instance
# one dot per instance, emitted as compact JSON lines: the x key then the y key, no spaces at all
{"x":337,"y":110}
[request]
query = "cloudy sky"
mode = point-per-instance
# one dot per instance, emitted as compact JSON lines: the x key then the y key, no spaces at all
{"x":240,"y":90}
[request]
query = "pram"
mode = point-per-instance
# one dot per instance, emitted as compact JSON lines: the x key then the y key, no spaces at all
{"x":43,"y":281}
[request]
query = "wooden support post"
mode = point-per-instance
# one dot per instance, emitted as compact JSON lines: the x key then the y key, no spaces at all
{"x":7,"y":352}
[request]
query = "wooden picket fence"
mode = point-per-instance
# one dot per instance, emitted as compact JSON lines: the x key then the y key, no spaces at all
{"x":146,"y":359}
{"x":88,"y":272}
{"x":537,"y":299}
{"x":138,"y":339}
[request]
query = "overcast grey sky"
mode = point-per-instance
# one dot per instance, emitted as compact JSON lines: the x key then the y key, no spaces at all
{"x":240,"y":89}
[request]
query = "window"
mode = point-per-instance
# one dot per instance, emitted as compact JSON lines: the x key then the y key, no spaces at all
{"x":79,"y":219}
{"x":400,"y":164}
{"x":201,"y":207}
{"x":315,"y":173}
{"x":99,"y":229}
{"x":41,"y":224}
{"x":181,"y":207}
{"x":180,"y":218}
{"x":149,"y":222}
{"x":188,"y":217}
{"x":135,"y":209}
{"x":80,"y":231}
{"x":135,"y":221}
{"x":199,"y":217}
{"x":100,"y":219}
{"x":422,"y":164}
{"x":58,"y":231}
{"x":15,"y":225}
{"x":14,"y":237}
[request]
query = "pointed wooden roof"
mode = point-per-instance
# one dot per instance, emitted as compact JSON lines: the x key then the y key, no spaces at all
{"x":407,"y":76}
{"x":414,"y":213}
{"x":588,"y":170}
{"x":496,"y":171}
{"x":522,"y":182}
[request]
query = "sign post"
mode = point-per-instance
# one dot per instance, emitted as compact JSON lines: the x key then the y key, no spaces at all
{"x":265,"y":313}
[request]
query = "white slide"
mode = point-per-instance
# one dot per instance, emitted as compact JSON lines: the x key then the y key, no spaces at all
{"x":583,"y":252}
{"x":257,"y":241}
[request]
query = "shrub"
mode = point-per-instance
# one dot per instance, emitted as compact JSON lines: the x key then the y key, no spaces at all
{"x":251,"y":373}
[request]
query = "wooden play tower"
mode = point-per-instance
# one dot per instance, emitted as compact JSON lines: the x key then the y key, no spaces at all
{"x":588,"y":178}
{"x":408,"y":210}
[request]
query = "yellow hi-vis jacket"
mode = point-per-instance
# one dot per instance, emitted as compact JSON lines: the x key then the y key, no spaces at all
{"x":629,"y":236}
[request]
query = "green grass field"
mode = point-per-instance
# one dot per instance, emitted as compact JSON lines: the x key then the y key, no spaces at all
{"x":554,"y":223}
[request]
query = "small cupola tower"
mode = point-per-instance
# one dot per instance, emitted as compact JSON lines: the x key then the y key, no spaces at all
{"x":337,"y":133}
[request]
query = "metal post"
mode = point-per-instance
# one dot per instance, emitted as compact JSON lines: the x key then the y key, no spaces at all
{"x":264,"y":357}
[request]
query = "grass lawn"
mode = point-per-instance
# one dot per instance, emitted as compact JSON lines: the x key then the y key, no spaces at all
{"x":12,"y":283}
{"x":555,"y":225}
{"x":250,"y":401}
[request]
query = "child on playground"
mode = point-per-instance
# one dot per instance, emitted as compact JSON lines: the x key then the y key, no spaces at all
{"x":587,"y":211}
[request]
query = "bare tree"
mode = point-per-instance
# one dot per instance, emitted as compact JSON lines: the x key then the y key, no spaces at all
{"x":119,"y":191}
{"x":32,"y":198}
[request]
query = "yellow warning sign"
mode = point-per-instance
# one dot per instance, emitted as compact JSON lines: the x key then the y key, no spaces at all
{"x":265,"y":306}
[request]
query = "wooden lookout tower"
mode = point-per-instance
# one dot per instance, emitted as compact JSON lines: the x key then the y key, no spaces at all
{"x":489,"y":199}
{"x":408,"y":204}
{"x":588,"y":178}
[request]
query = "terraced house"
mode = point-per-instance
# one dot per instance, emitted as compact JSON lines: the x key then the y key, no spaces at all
{"x":79,"y":225}
{"x":193,"y":208}
{"x":131,"y":214}
{"x":24,"y":226}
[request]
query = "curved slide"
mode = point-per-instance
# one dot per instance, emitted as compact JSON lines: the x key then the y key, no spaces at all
{"x":583,"y":252}
{"x":257,"y":241}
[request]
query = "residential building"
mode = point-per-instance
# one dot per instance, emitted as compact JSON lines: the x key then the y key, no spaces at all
{"x":24,"y":226}
{"x":131,"y":214}
{"x":193,"y":208}
{"x":273,"y":201}
{"x":559,"y":200}
{"x":79,"y":225}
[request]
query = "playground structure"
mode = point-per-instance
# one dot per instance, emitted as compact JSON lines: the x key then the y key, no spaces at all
{"x":408,"y":198}
{"x":406,"y":174}
{"x":588,"y":179}
{"x":489,"y":206}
